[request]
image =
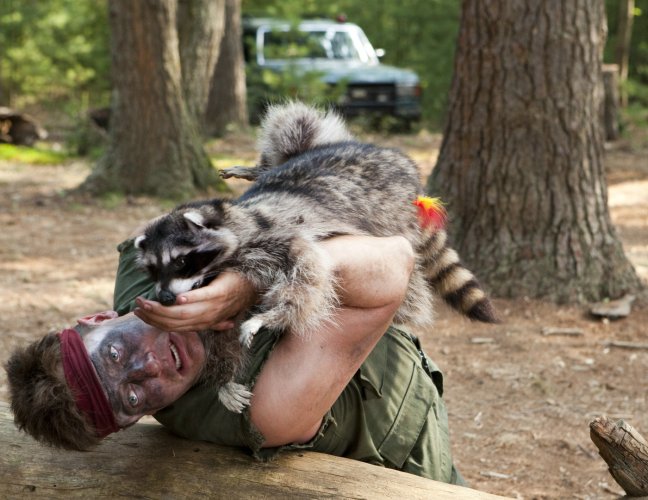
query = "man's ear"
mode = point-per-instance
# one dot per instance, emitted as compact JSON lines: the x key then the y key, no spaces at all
{"x":98,"y":318}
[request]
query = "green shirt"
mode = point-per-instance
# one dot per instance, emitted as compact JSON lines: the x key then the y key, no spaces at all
{"x":390,"y":414}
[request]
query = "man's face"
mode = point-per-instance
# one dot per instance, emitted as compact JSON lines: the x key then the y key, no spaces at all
{"x":142,"y":368}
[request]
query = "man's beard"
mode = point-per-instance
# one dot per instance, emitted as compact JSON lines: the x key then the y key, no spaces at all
{"x":224,"y":356}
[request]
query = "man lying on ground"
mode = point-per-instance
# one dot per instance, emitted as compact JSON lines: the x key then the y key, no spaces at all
{"x":359,"y":388}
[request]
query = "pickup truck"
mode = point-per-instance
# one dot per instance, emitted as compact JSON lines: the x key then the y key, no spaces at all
{"x":342,"y":57}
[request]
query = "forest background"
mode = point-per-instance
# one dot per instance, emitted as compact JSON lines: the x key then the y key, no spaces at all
{"x":56,"y":54}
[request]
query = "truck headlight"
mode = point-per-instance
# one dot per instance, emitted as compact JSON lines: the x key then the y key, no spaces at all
{"x":408,"y":90}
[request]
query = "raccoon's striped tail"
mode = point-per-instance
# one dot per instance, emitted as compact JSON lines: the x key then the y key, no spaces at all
{"x":452,"y":281}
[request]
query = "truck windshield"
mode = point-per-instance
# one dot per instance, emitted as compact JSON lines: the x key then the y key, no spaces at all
{"x":329,"y":44}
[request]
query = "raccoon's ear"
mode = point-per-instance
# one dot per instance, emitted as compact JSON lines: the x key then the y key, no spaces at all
{"x":140,"y":242}
{"x":195,"y":217}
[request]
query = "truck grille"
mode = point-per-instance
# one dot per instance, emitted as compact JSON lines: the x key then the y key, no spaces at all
{"x":378,"y":94}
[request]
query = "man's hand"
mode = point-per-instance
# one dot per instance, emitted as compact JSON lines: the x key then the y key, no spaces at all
{"x":212,"y":307}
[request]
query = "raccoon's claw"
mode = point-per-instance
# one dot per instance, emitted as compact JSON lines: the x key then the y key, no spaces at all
{"x":235,"y":397}
{"x":248,"y":330}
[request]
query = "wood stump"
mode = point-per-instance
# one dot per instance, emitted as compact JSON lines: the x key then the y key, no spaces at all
{"x":626,"y":453}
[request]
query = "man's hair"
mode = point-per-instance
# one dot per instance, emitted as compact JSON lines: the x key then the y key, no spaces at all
{"x":42,"y":403}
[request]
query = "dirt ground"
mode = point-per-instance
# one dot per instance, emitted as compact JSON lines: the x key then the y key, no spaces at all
{"x":519,"y":401}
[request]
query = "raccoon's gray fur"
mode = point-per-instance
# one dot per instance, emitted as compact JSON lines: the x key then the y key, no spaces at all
{"x":225,"y":358}
{"x":294,"y":128}
{"x":289,"y":130}
{"x":313,"y":182}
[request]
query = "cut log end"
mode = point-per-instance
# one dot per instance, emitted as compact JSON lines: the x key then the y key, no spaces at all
{"x":626,"y":453}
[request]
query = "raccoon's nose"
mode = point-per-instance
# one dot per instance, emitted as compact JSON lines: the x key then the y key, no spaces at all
{"x":167,"y":298}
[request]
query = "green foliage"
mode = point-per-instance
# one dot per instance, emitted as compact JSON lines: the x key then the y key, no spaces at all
{"x":56,"y":52}
{"x":53,"y":51}
{"x":86,"y":139}
{"x":267,"y":87}
{"x":33,"y":156}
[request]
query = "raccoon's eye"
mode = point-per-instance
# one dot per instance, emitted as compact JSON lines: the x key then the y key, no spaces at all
{"x":179,"y":263}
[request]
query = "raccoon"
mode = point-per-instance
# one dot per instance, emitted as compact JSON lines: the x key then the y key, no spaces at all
{"x":292,"y":129}
{"x":313,"y":181}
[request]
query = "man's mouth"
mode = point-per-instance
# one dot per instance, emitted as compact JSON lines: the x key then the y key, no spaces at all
{"x":176,"y":356}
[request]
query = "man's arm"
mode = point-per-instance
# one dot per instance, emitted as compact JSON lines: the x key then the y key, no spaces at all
{"x":303,"y":377}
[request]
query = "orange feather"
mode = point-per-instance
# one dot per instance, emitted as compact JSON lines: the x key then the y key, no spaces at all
{"x":431,"y":212}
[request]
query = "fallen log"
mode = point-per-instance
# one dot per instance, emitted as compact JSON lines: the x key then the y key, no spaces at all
{"x":626,"y":453}
{"x":147,"y":461}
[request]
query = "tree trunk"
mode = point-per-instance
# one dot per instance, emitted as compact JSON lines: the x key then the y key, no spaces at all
{"x":155,"y":146}
{"x":4,"y":94}
{"x":624,"y":35}
{"x":521,"y":163}
{"x":201,"y":24}
{"x":227,"y":97}
{"x":611,"y":102}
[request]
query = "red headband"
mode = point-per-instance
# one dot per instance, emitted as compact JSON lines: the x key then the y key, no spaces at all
{"x":82,"y":379}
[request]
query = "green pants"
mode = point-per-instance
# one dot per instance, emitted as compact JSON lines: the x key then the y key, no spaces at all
{"x":390,"y":414}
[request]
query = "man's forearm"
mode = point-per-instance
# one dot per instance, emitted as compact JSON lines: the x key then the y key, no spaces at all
{"x":303,"y":377}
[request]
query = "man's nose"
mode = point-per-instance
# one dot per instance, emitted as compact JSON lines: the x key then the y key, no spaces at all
{"x":149,"y":367}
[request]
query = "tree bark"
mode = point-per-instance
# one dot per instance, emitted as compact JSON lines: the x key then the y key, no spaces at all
{"x":155,"y":147}
{"x":201,"y":24}
{"x":624,"y":35}
{"x":227,"y":98}
{"x":521,"y":163}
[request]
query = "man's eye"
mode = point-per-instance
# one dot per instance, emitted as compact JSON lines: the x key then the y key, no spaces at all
{"x":114,"y":353}
{"x":133,"y":400}
{"x":180,"y":262}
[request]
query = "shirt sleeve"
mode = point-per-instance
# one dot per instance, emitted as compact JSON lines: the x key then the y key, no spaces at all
{"x":131,"y":281}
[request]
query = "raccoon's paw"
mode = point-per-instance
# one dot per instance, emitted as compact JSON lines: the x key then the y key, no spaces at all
{"x":249,"y":329}
{"x":235,"y":397}
{"x":247,"y":173}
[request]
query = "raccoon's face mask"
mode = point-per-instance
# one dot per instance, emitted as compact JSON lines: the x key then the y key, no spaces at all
{"x":184,"y":251}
